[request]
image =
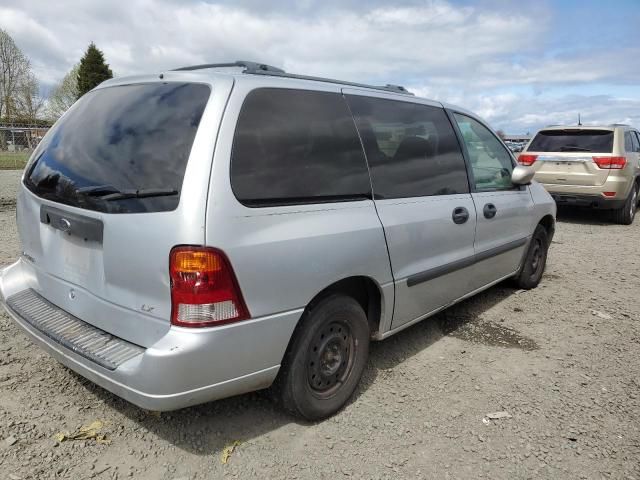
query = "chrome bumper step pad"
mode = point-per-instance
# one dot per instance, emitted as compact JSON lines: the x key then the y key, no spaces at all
{"x":82,"y":338}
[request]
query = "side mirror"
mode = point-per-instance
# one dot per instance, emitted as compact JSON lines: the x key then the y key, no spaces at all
{"x":522,"y":175}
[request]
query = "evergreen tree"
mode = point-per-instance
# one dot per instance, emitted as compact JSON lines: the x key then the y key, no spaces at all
{"x":93,"y":70}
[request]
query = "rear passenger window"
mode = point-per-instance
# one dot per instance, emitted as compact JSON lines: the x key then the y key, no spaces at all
{"x":412,"y":149}
{"x":628,"y":144}
{"x":491,"y":163}
{"x":635,"y":141}
{"x":296,"y":146}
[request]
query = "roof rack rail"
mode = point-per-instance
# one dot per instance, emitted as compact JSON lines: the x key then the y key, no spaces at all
{"x":387,"y":88}
{"x":619,"y":125}
{"x":249,"y":67}
{"x":256,"y":68}
{"x":398,"y":88}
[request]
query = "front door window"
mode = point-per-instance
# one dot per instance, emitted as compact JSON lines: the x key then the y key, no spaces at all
{"x":491,"y":163}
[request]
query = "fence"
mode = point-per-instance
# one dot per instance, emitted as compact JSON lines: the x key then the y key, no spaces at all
{"x":17,"y":142}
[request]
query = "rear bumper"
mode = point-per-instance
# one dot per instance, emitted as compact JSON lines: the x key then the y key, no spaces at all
{"x":187,"y":366}
{"x":592,"y":196}
{"x":582,"y":200}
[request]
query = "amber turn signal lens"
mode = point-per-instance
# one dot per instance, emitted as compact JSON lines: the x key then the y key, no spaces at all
{"x":204,"y":289}
{"x":190,"y":261}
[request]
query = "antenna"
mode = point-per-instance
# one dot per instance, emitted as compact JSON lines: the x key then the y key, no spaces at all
{"x":579,"y":122}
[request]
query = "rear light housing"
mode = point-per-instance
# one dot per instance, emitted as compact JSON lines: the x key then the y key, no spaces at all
{"x":526,"y":159}
{"x":204,"y":289}
{"x":610,"y":163}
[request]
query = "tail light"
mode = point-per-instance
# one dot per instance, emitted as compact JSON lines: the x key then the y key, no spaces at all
{"x":204,"y":289}
{"x":610,"y":163}
{"x":527,"y":160}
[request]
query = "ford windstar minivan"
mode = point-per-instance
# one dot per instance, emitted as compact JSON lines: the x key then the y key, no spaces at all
{"x":217,"y":229}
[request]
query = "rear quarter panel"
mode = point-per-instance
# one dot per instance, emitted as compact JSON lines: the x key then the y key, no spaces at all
{"x":284,"y":256}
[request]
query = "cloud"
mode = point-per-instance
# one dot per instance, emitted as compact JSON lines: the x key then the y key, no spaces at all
{"x":475,"y":54}
{"x":362,"y":43}
{"x":520,"y":113}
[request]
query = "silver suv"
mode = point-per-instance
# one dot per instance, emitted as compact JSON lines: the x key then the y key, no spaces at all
{"x":218,"y":229}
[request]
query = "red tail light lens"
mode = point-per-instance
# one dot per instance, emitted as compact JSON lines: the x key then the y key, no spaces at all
{"x":204,"y":289}
{"x":527,"y":160}
{"x":611,"y":163}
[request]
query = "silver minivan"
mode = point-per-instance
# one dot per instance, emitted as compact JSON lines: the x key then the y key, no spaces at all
{"x":223,"y":228}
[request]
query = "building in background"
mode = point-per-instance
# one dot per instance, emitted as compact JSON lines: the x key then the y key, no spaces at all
{"x":517,"y":138}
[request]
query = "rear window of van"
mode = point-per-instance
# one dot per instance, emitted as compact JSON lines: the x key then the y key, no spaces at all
{"x":297,"y":147}
{"x":121,"y":149}
{"x":573,"y":140}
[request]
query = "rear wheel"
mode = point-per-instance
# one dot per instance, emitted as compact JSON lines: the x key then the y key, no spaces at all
{"x":626,"y":214}
{"x":326,"y":358}
{"x":535,"y":260}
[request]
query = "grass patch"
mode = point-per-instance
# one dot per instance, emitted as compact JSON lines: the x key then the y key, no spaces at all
{"x":13,"y":160}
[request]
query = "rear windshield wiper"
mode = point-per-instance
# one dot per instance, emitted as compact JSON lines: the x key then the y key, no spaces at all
{"x":574,"y":148}
{"x":97,"y":190}
{"x":144,"y":193}
{"x":109,"y":192}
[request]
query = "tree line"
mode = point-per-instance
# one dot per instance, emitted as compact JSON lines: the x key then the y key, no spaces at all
{"x":21,"y":98}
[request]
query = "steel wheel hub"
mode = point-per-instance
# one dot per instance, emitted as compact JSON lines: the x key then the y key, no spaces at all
{"x":330,"y":358}
{"x":536,"y":255}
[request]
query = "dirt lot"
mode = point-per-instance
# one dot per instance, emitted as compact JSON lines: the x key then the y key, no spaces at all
{"x":563,"y":360}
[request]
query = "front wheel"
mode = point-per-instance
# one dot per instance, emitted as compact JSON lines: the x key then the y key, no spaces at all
{"x":326,"y":358}
{"x":626,"y":214}
{"x":532,"y":268}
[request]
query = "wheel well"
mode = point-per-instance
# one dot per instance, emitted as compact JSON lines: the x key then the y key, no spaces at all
{"x":549,"y":224}
{"x":364,"y":290}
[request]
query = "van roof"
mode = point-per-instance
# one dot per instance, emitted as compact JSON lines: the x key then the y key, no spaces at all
{"x":243,"y":69}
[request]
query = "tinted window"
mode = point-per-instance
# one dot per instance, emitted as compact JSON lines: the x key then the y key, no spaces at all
{"x":296,"y":146}
{"x":573,"y":140}
{"x":126,"y":138}
{"x":490,"y":161}
{"x":628,"y":144}
{"x":636,"y":142}
{"x":412,"y":149}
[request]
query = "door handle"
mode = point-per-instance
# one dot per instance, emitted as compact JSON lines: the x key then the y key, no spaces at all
{"x":489,"y":210}
{"x":460,"y":215}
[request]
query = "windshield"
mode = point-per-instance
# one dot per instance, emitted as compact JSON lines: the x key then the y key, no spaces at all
{"x":121,"y":149}
{"x":573,"y":140}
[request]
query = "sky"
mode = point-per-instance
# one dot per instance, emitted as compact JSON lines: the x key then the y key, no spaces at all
{"x":520,"y":65}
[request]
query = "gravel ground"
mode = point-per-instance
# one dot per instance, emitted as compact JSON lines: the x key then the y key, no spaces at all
{"x":563,"y":361}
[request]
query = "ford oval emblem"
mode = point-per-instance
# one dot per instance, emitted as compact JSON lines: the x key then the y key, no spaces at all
{"x":65,"y":225}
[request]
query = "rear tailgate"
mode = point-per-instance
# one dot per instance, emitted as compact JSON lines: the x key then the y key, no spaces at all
{"x":568,"y":169}
{"x":115,"y":184}
{"x":565,"y":156}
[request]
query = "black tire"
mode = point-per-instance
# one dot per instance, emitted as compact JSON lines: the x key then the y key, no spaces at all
{"x":626,"y":214}
{"x":535,"y":261}
{"x":325,"y":359}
